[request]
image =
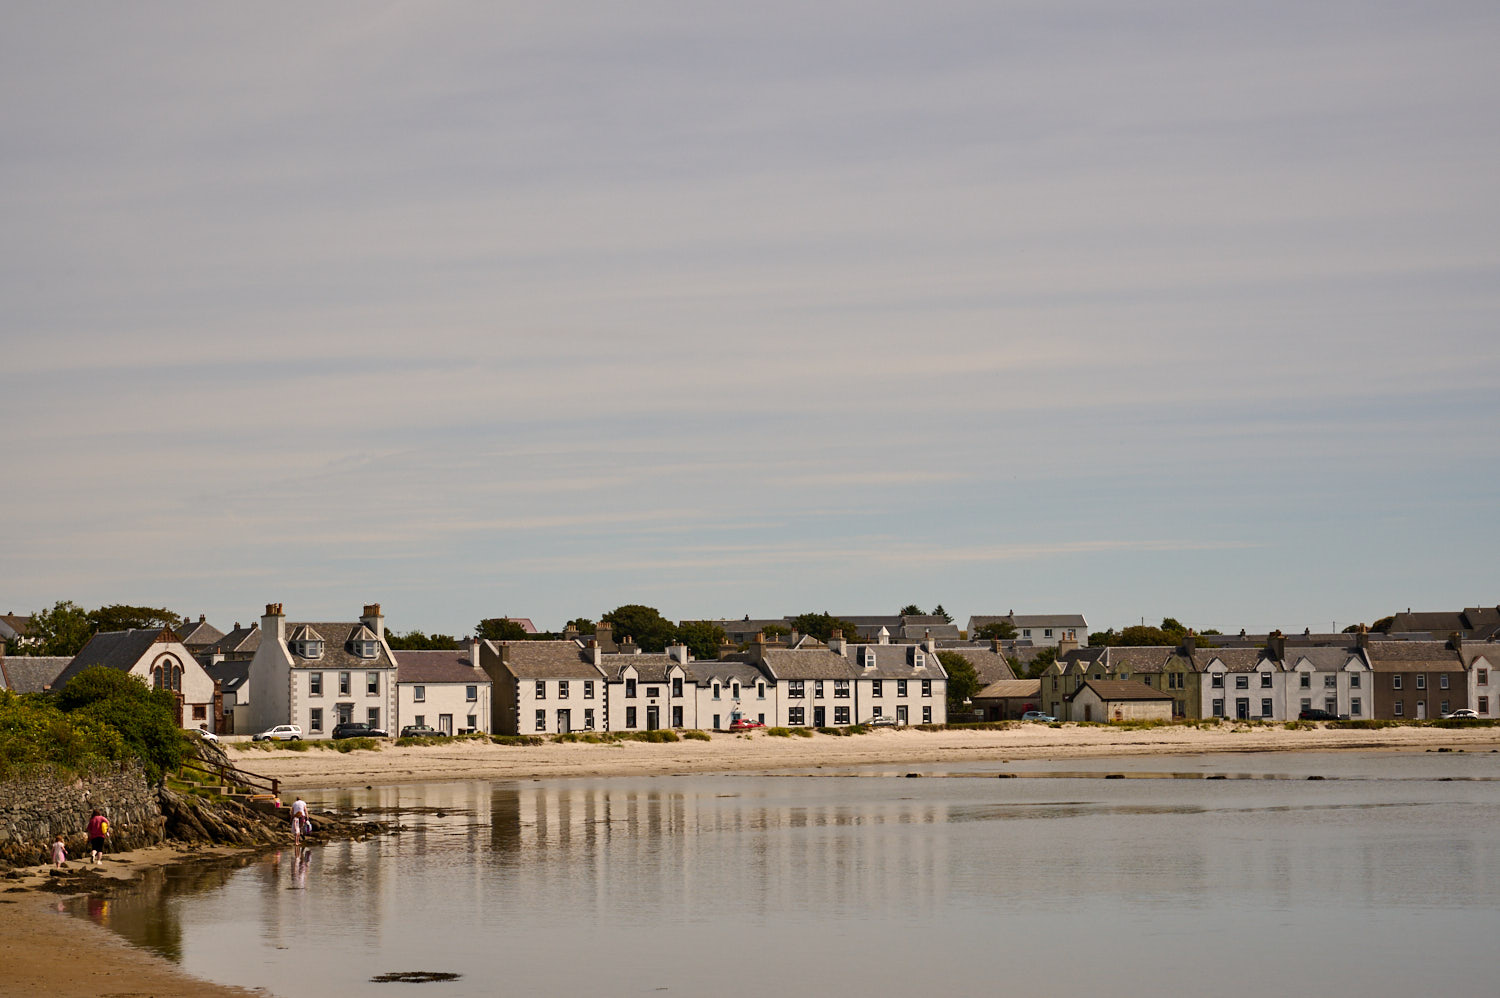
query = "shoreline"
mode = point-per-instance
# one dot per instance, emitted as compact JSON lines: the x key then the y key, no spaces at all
{"x":41,"y":944}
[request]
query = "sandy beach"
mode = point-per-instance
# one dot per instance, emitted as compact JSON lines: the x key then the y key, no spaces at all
{"x":319,"y":769}
{"x":46,"y":952}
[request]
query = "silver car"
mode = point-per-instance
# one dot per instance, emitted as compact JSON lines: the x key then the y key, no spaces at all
{"x":280,"y":733}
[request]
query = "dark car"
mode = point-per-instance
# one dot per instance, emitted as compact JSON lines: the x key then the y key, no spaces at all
{"x":420,"y":731}
{"x":357,"y":729}
{"x":1313,"y":714}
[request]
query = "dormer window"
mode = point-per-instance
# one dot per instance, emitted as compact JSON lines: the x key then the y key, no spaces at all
{"x":919,"y":661}
{"x":869,"y":658}
{"x":365,"y":649}
{"x":308,"y":649}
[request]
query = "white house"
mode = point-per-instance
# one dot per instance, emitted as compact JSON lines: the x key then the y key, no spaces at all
{"x":728,"y":690}
{"x":1242,"y":683}
{"x":446,"y":690}
{"x":317,"y":675}
{"x":1482,"y":660}
{"x":902,"y":681}
{"x":1338,"y":680}
{"x":647,"y":692}
{"x":1041,"y":629}
{"x":159,"y":658}
{"x":544,"y":687}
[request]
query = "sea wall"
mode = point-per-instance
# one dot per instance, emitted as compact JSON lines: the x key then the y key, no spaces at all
{"x":33,"y":809}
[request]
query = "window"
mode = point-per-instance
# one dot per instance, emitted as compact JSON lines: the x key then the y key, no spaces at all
{"x":419,"y":719}
{"x":1242,"y":682}
{"x":588,"y":689}
{"x":1330,"y":682}
{"x":418,"y":693}
{"x":1047,"y":633}
{"x":794,"y":715}
{"x":877,"y":688}
{"x":1484,"y":705}
{"x":372,"y":717}
{"x":471,"y":723}
{"x":1144,"y":679}
{"x":1305,"y":680}
{"x":1218,"y":708}
{"x":1265,"y":680}
{"x":200,"y":711}
{"x":314,"y":684}
{"x":901,"y":687}
{"x":677,"y":686}
{"x":1054,"y":684}
{"x":927,"y":689}
{"x":372,"y":683}
{"x":677,"y":716}
{"x":734,"y":690}
{"x":541,"y":690}
{"x":716,"y":691}
{"x":1421,"y":681}
{"x":919,"y":661}
{"x":471,"y":693}
{"x":794,"y":688}
{"x":562,"y":689}
{"x":364,"y":649}
{"x":876,"y":713}
{"x":1443,"y":681}
{"x":1026,"y":632}
{"x":541,"y":720}
{"x":1331,"y":705}
{"x":652,"y":692}
{"x":1443,"y":707}
{"x":841,"y":689}
{"x":1174,"y":680}
{"x":315,"y":719}
{"x":817,"y":689}
{"x":1397,"y":709}
{"x":1307,"y":703}
{"x":1265,"y":707}
{"x":926,"y":715}
{"x":760,"y":691}
{"x":1483,"y":677}
{"x":1395,"y":682}
{"x":630,"y":689}
{"x":1354,"y":708}
{"x":841,"y":715}
{"x":588,"y":719}
{"x":629,"y":717}
{"x":343,"y":684}
{"x":1354,"y":680}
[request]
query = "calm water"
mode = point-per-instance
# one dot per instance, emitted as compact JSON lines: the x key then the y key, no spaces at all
{"x":1385,"y":876}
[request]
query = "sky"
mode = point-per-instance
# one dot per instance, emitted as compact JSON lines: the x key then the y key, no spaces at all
{"x":536,"y":309}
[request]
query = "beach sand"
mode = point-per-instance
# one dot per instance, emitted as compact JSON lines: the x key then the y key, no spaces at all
{"x":44,"y":952}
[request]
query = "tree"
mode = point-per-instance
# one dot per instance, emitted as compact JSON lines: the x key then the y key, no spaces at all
{"x":1172,"y":625}
{"x":911,"y":610}
{"x":643,"y":624}
{"x":62,"y":630}
{"x":583,"y":624}
{"x":146,"y":718}
{"x":120,"y":617}
{"x":1040,"y":663}
{"x":996,"y":630}
{"x":500,"y":629}
{"x":1383,"y":624}
{"x":776,"y":631}
{"x":938,"y":611}
{"x":1138,"y":635}
{"x":963,"y":681}
{"x":822,"y":625}
{"x":417,"y":641}
{"x":702,"y":638}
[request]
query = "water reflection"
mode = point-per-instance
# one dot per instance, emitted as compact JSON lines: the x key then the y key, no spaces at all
{"x":743,"y":885}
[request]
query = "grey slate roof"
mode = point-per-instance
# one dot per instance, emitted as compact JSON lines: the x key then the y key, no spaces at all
{"x":1120,"y":689}
{"x":1141,"y":658}
{"x":233,"y":677}
{"x":895,"y":662}
{"x":32,"y":674}
{"x":818,"y":663}
{"x":1410,"y":656}
{"x":649,"y":668}
{"x":1234,"y":659}
{"x":444,"y":666}
{"x":115,"y":650}
{"x":15,"y":624}
{"x":240,"y":641}
{"x":547,"y":660}
{"x":198,"y":633}
{"x":990,"y":665}
{"x":1323,"y":658}
{"x":336,"y":652}
{"x":1008,"y":688}
{"x":726,"y":671}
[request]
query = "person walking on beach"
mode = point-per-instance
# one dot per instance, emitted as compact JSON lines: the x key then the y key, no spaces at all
{"x":98,"y":836}
{"x":299,"y":819}
{"x":59,"y":851}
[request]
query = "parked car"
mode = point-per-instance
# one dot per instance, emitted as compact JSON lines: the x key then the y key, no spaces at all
{"x":745,"y":724}
{"x":420,"y":731}
{"x":883,"y":721}
{"x":1461,"y":714}
{"x":358,"y":729}
{"x":1037,"y":715}
{"x":280,"y":733}
{"x":207,"y":735}
{"x":1314,"y":714}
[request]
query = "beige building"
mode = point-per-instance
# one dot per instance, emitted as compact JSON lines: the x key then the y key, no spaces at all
{"x":1118,"y":700}
{"x":159,"y":658}
{"x":317,"y":675}
{"x":446,"y":690}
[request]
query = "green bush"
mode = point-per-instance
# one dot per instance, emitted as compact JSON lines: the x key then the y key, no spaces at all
{"x":517,"y":740}
{"x":802,"y":732}
{"x":779,"y":732}
{"x":146,"y":719}
{"x":34,"y":733}
{"x":698,"y":736}
{"x":858,"y":729}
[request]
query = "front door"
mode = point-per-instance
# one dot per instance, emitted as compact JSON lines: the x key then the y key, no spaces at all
{"x":1088,"y":712}
{"x":445,"y":723}
{"x":1242,"y":709}
{"x":818,"y":716}
{"x":346,"y":712}
{"x":1421,"y":710}
{"x":901,"y":714}
{"x":653,"y":718}
{"x":564,"y":722}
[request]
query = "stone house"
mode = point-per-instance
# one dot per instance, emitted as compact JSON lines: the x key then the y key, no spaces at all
{"x":648,"y":692}
{"x":443,"y":689}
{"x":545,"y":687}
{"x":158,"y":657}
{"x":320,"y":674}
{"x":728,"y":689}
{"x":1119,"y":700}
{"x":1416,"y":680}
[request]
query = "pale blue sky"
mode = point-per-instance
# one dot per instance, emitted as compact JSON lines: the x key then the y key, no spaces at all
{"x":537,"y":309}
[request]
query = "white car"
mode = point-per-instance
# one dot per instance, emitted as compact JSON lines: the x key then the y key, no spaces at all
{"x":1461,"y":714}
{"x":280,"y":733}
{"x":883,"y":721}
{"x":207,"y":735}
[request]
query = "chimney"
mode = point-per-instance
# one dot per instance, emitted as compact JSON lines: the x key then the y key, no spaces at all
{"x":1276,"y":642}
{"x":678,"y":653}
{"x":1063,"y":646}
{"x":928,"y":643}
{"x":474,"y":651}
{"x":570,"y":632}
{"x":203,"y":617}
{"x":273,"y":624}
{"x":628,"y":647}
{"x":836,"y":643}
{"x":758,"y":647}
{"x":372,"y":619}
{"x":1190,"y":643}
{"x":604,"y":633}
{"x":995,"y":646}
{"x":1362,"y":638}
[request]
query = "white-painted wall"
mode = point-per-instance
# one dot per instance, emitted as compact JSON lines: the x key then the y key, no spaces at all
{"x":439,"y":699}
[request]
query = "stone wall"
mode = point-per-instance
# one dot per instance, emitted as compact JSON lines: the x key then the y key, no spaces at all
{"x":36,"y":808}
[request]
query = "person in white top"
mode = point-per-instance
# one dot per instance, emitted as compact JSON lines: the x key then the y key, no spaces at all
{"x":300,"y":823}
